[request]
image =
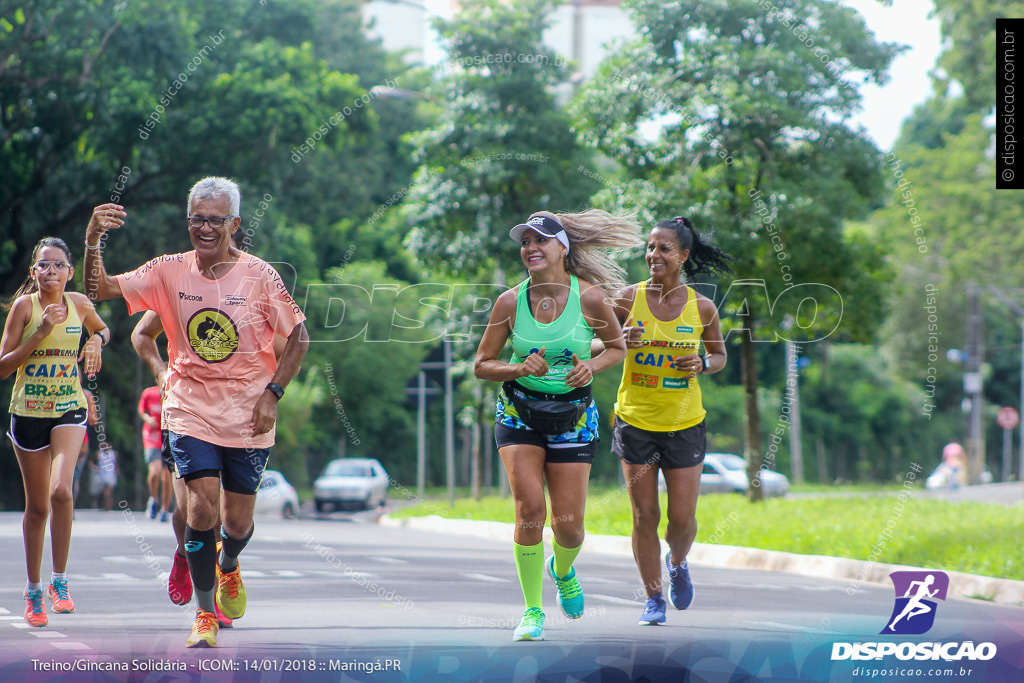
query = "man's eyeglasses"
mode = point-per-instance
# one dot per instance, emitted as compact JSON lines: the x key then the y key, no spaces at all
{"x":61,"y":266}
{"x":216,"y":222}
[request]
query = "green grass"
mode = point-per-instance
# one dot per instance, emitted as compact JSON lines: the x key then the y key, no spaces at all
{"x":976,"y":538}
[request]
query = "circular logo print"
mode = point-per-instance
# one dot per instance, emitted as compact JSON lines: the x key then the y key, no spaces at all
{"x":212,"y":335}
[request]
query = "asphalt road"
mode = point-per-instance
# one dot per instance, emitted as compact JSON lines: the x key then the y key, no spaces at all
{"x":332,"y":597}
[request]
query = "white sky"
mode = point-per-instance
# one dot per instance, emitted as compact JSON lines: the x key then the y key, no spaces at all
{"x":884,"y":109}
{"x":905,"y":22}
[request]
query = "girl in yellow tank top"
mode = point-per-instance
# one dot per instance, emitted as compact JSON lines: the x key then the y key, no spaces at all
{"x":659,"y":415}
{"x":48,"y":410}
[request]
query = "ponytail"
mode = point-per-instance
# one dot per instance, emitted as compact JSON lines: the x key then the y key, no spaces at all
{"x":704,"y":257}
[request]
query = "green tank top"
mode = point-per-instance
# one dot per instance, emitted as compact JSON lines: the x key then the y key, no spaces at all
{"x":568,"y":334}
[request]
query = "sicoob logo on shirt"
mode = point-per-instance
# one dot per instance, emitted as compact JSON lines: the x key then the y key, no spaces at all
{"x":212,"y":335}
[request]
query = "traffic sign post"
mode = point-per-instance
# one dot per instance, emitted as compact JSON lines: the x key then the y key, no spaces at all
{"x":1007,"y":418}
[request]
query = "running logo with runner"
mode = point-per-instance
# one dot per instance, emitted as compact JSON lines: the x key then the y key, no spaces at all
{"x":213,"y":335}
{"x":916,"y":592}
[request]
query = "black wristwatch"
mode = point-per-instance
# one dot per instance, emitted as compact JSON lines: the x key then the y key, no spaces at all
{"x":276,"y":389}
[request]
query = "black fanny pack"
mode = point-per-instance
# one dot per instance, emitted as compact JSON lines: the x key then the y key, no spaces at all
{"x":548,"y":413}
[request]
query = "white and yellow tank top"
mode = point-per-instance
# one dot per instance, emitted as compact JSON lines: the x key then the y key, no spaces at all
{"x":653,"y":395}
{"x":48,"y":384}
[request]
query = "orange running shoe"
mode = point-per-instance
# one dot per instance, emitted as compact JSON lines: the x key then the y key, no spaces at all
{"x":179,"y":583}
{"x":60,"y":598}
{"x":35,"y":610}
{"x":204,"y":630}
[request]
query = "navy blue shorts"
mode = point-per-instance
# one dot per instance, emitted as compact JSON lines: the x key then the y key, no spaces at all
{"x":165,"y":450}
{"x":240,"y":469}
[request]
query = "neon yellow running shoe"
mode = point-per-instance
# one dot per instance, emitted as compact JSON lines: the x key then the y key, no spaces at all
{"x":204,"y":630}
{"x":231,"y":593}
{"x":531,"y":627}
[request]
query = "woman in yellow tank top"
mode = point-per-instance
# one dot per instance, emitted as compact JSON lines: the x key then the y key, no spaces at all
{"x":48,"y":409}
{"x":659,"y":417}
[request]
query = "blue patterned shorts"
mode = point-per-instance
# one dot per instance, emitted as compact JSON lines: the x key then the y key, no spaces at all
{"x":578,"y":445}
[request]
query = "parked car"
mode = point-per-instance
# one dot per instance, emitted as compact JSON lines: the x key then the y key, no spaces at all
{"x":276,"y":496}
{"x":727,"y":473}
{"x":356,"y":482}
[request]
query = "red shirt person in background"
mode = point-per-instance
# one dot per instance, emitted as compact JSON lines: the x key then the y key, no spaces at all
{"x":159,"y":478}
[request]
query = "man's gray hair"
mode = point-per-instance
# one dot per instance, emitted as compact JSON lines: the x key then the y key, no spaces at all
{"x":215,"y":187}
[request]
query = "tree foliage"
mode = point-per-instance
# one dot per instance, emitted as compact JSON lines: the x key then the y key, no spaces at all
{"x":134,"y":102}
{"x":502,"y":148}
{"x":748,"y":103}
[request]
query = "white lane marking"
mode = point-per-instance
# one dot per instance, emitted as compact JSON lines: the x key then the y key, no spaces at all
{"x":484,"y":577}
{"x":107,"y":576}
{"x":773,"y":586}
{"x":20,"y":624}
{"x":71,"y":645}
{"x":387,"y":560}
{"x":10,"y":618}
{"x":601,"y":579}
{"x":791,"y":627}
{"x":47,"y":634}
{"x":614,"y":599}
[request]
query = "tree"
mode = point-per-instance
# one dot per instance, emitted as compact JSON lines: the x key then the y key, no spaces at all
{"x":133,"y":102}
{"x":949,"y":226}
{"x":749,"y":102}
{"x":502,"y":149}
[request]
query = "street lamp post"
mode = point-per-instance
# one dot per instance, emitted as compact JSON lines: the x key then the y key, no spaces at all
{"x":1019,"y":311}
{"x":973,"y":385}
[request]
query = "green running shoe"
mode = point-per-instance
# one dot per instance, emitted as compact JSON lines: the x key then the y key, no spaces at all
{"x":531,"y":627}
{"x":570,"y":595}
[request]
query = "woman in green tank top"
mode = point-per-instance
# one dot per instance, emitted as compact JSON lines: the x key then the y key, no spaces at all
{"x":48,"y":409}
{"x":551,"y":319}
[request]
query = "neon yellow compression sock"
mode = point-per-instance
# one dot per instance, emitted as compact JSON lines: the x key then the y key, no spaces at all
{"x":530,"y":568}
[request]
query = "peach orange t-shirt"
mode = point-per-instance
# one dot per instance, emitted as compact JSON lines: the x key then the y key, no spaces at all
{"x":220,"y":341}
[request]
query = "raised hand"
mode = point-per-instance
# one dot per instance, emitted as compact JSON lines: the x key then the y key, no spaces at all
{"x":104,"y":217}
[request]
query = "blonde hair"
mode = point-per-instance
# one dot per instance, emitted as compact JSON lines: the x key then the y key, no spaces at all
{"x":595,"y":236}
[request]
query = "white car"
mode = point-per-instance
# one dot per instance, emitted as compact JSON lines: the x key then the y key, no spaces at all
{"x":727,"y":473}
{"x":358,"y":482}
{"x":276,"y":496}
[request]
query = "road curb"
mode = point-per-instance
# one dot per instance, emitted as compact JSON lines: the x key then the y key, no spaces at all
{"x":857,"y":572}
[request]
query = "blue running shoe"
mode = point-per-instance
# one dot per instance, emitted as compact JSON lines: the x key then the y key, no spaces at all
{"x":570,"y":595}
{"x":654,"y":611}
{"x":680,"y":587}
{"x":531,"y":627}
